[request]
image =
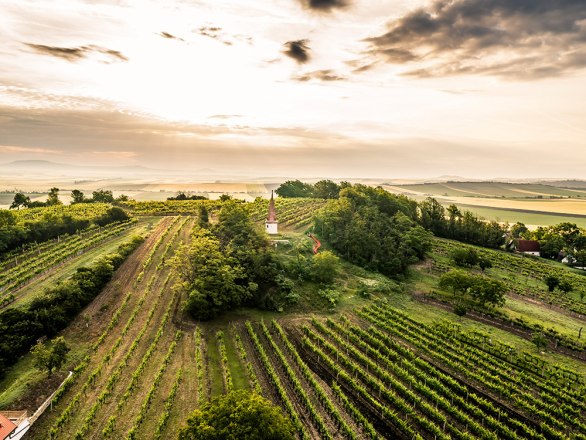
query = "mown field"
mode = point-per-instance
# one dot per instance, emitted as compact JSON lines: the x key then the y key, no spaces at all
{"x":386,"y":360}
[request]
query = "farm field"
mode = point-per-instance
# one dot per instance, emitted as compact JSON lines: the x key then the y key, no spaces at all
{"x":530,"y":218}
{"x":489,"y":189}
{"x":390,"y":364}
{"x":531,"y":204}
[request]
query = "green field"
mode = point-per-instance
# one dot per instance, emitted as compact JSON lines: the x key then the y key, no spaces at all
{"x":491,"y":190}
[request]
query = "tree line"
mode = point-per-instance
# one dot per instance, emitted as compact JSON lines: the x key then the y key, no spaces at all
{"x":46,"y":315}
{"x":21,"y":200}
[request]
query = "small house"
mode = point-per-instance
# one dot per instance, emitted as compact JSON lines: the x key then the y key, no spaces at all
{"x":7,"y":428}
{"x":530,"y":247}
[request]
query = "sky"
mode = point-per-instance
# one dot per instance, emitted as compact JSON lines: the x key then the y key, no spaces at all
{"x":305,"y":88}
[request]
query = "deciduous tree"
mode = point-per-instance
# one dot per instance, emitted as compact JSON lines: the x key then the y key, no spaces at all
{"x":238,"y":415}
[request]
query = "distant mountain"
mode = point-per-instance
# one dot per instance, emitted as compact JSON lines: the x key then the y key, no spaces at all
{"x":48,"y":168}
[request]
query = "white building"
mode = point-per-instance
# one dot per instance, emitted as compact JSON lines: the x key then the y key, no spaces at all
{"x":271,"y":223}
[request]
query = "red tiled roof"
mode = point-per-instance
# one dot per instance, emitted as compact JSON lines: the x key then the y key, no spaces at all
{"x":6,"y":427}
{"x":528,"y":246}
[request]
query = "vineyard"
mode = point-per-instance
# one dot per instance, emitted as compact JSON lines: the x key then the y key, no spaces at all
{"x":369,"y":369}
{"x":517,"y":268}
{"x":294,"y":212}
{"x":30,"y":264}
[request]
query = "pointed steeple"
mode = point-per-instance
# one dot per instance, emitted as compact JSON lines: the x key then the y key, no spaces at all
{"x":272,"y":213}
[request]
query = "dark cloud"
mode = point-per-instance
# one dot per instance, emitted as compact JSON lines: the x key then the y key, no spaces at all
{"x":325,"y":5}
{"x":76,"y":53}
{"x":510,"y":38}
{"x":170,"y":36}
{"x":214,"y":32}
{"x":298,"y":50}
{"x":320,"y":75}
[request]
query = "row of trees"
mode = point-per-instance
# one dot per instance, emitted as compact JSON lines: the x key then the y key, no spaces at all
{"x":374,"y":229}
{"x":183,"y":196}
{"x":14,"y":234}
{"x":324,"y":189}
{"x":21,"y":200}
{"x":229,"y":264}
{"x":460,"y":225}
{"x":46,"y":315}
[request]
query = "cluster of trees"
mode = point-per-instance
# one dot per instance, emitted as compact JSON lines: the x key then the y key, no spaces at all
{"x":374,"y":229}
{"x":238,"y":415}
{"x":182,"y":196}
{"x":324,"y":189}
{"x":460,"y":225}
{"x":229,"y":264}
{"x":21,"y":200}
{"x":46,"y":315}
{"x":556,"y":242}
{"x":14,"y":234}
{"x":476,"y":288}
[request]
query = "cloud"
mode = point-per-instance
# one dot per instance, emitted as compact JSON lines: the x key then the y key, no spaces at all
{"x":33,"y":150}
{"x":224,"y":116}
{"x":116,"y":154}
{"x":214,"y":32}
{"x":320,"y":75}
{"x":324,"y":5}
{"x":170,"y":36}
{"x":514,"y":39}
{"x":73,"y":54}
{"x":298,"y":50}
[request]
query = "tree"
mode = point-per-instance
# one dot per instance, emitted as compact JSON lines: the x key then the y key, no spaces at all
{"x":122,"y":198}
{"x":225,"y":197}
{"x":485,"y":290}
{"x":203,"y":218}
{"x":102,"y":196}
{"x":324,"y":267}
{"x":456,"y":280}
{"x":7,"y":219}
{"x":581,"y":258}
{"x":50,"y":358}
{"x":551,"y":245}
{"x":433,"y":216}
{"x":464,"y":257}
{"x":539,"y":339}
{"x":326,"y":189}
{"x":519,"y":230}
{"x":238,"y":415}
{"x":565,"y":286}
{"x":53,"y":198}
{"x":20,"y":200}
{"x":213,"y":281}
{"x":294,"y":188}
{"x":552,"y":282}
{"x":484,"y":263}
{"x":77,"y":196}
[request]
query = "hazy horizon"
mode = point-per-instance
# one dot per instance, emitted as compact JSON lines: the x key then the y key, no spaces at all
{"x":403,"y":89}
